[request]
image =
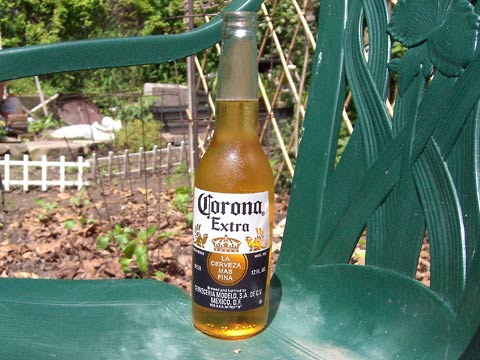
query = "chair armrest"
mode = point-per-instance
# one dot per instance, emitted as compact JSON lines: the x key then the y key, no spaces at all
{"x":113,"y":52}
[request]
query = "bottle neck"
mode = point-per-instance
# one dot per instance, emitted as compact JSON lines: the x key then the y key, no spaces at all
{"x":238,"y":73}
{"x":237,"y":86}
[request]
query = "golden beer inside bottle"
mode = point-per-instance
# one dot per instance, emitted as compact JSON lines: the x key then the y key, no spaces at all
{"x":234,"y":163}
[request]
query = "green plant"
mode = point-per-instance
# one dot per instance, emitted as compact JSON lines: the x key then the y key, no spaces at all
{"x":47,"y":122}
{"x":131,"y":243}
{"x":3,"y":133}
{"x":276,"y":157}
{"x":189,"y":219}
{"x":31,"y":22}
{"x":159,"y":275}
{"x":47,"y":209}
{"x":71,"y":170}
{"x":70,"y":224}
{"x":81,"y":199}
{"x":398,"y":50}
{"x":165,"y":234}
{"x":138,"y":133}
{"x":82,"y":222}
{"x":182,"y":199}
{"x":181,"y":202}
{"x":179,"y":172}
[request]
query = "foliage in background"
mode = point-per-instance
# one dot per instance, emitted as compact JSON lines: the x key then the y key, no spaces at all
{"x":398,"y":50}
{"x":138,"y":133}
{"x":81,"y":199}
{"x":285,"y":19}
{"x":29,"y":22}
{"x":132,"y":244}
{"x":276,"y":157}
{"x":343,"y":137}
{"x":178,"y":175}
{"x":182,"y":202}
{"x":47,"y":209}
{"x":43,"y":123}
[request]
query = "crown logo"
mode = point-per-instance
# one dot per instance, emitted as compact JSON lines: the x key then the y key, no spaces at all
{"x":226,"y":244}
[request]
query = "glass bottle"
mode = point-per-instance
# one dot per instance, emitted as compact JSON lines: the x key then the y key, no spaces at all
{"x":233,"y":199}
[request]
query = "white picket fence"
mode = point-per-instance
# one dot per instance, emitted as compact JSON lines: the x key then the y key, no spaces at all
{"x":62,"y":173}
{"x":26,"y":164}
{"x":130,"y":164}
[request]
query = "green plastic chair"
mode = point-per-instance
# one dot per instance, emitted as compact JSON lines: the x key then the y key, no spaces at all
{"x":397,"y":178}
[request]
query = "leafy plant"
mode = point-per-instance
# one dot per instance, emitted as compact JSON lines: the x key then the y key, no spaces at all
{"x":189,"y":219}
{"x":47,"y":209}
{"x":81,"y":222}
{"x":165,"y":234}
{"x":31,"y":22}
{"x":138,"y":133}
{"x":81,"y":199}
{"x":2,"y":127}
{"x":181,"y":202}
{"x":131,"y":243}
{"x":276,"y":157}
{"x":398,"y":50}
{"x":182,"y":199}
{"x":159,"y":275}
{"x":70,"y":224}
{"x":179,"y":172}
{"x":48,"y":122}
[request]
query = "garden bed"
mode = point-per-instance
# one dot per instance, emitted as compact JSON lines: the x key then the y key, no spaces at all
{"x":55,"y":234}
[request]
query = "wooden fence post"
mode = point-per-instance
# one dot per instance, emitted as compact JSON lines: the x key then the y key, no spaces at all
{"x":169,"y":159}
{"x":80,"y":172}
{"x":183,"y":152}
{"x":126,"y":170}
{"x":62,"y":173}
{"x":44,"y":173}
{"x":25,"y":172}
{"x":94,"y":167}
{"x":110,"y":158}
{"x":6,"y":173}
{"x":154,"y":157}
{"x":141,"y":154}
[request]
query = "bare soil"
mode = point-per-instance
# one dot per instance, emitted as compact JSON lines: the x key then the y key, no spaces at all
{"x":54,"y":234}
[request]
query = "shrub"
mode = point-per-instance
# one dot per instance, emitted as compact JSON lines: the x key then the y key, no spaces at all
{"x":137,"y":134}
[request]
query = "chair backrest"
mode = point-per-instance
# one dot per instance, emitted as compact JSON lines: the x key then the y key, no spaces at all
{"x":402,"y":176}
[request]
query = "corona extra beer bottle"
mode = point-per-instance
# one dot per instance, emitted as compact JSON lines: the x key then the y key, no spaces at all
{"x":233,"y":199}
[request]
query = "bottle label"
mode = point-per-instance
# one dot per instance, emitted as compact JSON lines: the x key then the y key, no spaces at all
{"x":231,"y":250}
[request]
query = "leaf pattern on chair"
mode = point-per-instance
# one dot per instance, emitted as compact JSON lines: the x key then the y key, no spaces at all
{"x":451,"y":47}
{"x":413,"y":21}
{"x":402,"y":165}
{"x":444,"y":39}
{"x":400,"y":177}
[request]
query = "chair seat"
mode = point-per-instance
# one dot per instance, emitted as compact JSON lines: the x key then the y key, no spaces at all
{"x":352,"y":313}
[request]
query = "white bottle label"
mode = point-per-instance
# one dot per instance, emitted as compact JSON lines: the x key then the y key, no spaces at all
{"x":231,"y":249}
